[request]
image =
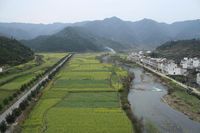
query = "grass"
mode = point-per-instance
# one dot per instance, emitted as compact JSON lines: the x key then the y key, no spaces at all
{"x":38,"y":114}
{"x":91,"y":100}
{"x":184,"y":98}
{"x":87,"y":120}
{"x":81,"y":99}
{"x":21,"y":74}
{"x":5,"y":93}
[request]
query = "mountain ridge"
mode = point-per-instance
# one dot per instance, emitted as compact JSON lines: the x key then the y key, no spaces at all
{"x":143,"y":34}
{"x":12,"y":52}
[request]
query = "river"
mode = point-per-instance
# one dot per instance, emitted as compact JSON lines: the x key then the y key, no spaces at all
{"x":145,"y":97}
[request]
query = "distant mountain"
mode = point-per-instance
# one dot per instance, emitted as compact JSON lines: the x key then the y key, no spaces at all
{"x":177,"y":50}
{"x":74,"y":39}
{"x":146,"y":33}
{"x":13,"y":52}
{"x":29,"y":31}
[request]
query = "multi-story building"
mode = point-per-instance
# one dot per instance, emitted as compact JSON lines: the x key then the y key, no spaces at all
{"x":198,"y":78}
{"x":190,"y":63}
{"x":171,"y":68}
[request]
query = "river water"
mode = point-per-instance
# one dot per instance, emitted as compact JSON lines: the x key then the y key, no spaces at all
{"x":145,"y":97}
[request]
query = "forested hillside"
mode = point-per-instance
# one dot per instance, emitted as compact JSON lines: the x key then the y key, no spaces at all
{"x":74,"y":39}
{"x":178,"y":49}
{"x":13,"y":52}
{"x":145,"y":33}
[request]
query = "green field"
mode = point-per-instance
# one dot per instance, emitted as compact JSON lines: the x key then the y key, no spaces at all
{"x":21,"y":74}
{"x":83,"y":98}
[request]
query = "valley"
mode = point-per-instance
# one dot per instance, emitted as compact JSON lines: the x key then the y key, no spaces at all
{"x":107,"y":67}
{"x":84,"y":94}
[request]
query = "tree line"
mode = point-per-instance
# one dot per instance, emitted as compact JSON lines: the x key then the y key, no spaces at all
{"x":11,"y":118}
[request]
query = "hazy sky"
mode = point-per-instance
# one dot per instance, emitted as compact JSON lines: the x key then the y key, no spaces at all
{"x":48,"y":11}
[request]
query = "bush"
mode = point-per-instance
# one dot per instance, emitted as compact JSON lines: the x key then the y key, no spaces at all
{"x":15,"y":94}
{"x":3,"y":127}
{"x":22,"y":89}
{"x":17,"y":112}
{"x":5,"y":101}
{"x":10,"y":118}
{"x":33,"y":93}
{"x":1,"y":107}
{"x":23,"y":105}
{"x":29,"y":98}
{"x":10,"y":98}
{"x":18,"y":92}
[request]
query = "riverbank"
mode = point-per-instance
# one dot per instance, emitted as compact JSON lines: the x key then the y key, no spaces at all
{"x":136,"y":123}
{"x":123,"y":93}
{"x":179,"y":98}
{"x":182,"y":101}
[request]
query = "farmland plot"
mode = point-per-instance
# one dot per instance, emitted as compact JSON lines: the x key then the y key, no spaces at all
{"x":21,"y":74}
{"x":83,"y":98}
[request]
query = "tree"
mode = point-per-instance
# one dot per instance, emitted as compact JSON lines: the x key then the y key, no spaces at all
{"x":1,"y":107}
{"x":10,"y":118}
{"x":3,"y":127}
{"x":15,"y":94}
{"x":23,"y":105}
{"x":16,"y":112}
{"x":33,"y":93}
{"x":10,"y":98}
{"x":5,"y":101}
{"x":29,"y":98}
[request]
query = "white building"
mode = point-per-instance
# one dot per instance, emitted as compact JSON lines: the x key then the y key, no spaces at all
{"x":198,"y":78}
{"x":140,"y":52}
{"x":196,"y":62}
{"x":190,"y":63}
{"x":171,"y":68}
{"x":148,"y":52}
{"x":1,"y":69}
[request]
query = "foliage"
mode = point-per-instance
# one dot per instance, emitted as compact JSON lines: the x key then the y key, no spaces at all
{"x":21,"y":77}
{"x":79,"y":97}
{"x":13,"y":52}
{"x":3,"y":126}
{"x":73,"y":39}
{"x":177,"y":50}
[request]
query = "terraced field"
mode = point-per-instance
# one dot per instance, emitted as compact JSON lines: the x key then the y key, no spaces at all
{"x":16,"y":76}
{"x":83,"y":98}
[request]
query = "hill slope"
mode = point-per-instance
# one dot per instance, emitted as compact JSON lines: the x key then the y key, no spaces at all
{"x":75,"y":39}
{"x":13,"y":52}
{"x":178,"y":49}
{"x":145,"y":33}
{"x":29,"y":31}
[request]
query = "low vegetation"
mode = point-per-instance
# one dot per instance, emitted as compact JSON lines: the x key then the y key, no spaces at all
{"x":181,"y":100}
{"x":82,"y":98}
{"x":27,"y":101}
{"x":19,"y":78}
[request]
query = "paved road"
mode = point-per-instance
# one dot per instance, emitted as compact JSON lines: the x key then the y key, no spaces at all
{"x":16,"y":104}
{"x":193,"y":90}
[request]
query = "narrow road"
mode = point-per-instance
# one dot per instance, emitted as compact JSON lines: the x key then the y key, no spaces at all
{"x":16,"y":104}
{"x":193,"y":90}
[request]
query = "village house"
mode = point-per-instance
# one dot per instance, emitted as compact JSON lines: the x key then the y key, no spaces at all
{"x":171,"y":68}
{"x":1,"y":69}
{"x":198,"y":78}
{"x":196,"y":62}
{"x":190,"y":63}
{"x":168,"y":67}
